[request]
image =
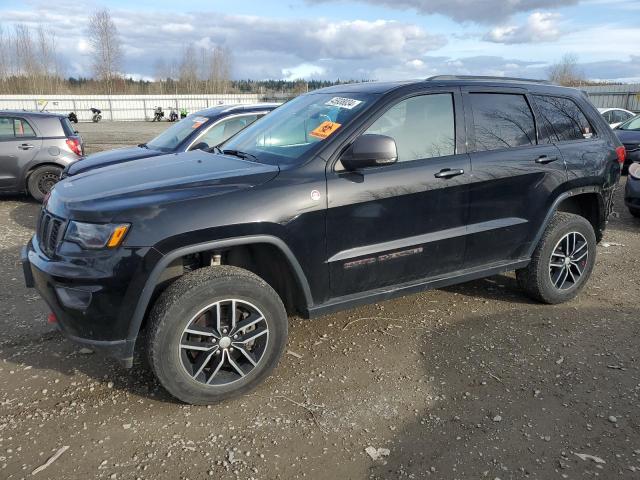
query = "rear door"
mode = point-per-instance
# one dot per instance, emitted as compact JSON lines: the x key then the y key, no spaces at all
{"x":514,"y":173}
{"x":405,"y":221}
{"x":18,"y":146}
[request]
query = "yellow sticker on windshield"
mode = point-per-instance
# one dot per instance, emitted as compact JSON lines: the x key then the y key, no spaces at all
{"x":325,"y":129}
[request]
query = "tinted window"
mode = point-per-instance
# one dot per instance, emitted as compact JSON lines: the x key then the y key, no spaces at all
{"x":423,"y":127}
{"x":502,"y":121}
{"x":608,"y":116}
{"x":620,"y":116}
{"x":566,"y":120}
{"x":69,"y":131}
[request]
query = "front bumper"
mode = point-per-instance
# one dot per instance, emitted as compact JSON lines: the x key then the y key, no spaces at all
{"x":93,"y":297}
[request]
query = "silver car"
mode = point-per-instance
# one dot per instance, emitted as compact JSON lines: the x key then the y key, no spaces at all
{"x":34,"y":149}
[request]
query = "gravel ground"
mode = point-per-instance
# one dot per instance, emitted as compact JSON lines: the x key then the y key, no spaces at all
{"x":474,"y":381}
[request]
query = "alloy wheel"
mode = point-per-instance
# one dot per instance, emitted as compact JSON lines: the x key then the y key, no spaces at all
{"x":224,"y":342}
{"x":568,"y":260}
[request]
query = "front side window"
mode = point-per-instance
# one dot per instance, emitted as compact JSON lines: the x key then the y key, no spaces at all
{"x":422,"y":127}
{"x":226,"y":129}
{"x":502,"y":121}
{"x":564,"y":117}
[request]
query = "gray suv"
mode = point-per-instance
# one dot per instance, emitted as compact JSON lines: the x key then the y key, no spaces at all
{"x":34,"y":149}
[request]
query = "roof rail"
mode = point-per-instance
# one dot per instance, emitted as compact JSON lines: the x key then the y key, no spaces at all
{"x":485,"y":78}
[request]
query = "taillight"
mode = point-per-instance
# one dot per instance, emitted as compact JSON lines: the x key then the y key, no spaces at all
{"x":621,"y":153}
{"x":75,"y":146}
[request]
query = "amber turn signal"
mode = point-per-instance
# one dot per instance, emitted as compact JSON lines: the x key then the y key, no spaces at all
{"x":117,"y":236}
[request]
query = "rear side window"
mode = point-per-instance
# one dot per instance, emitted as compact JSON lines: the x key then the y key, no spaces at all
{"x":422,"y":127}
{"x":502,"y":121}
{"x":564,"y":118}
{"x":15,"y":127}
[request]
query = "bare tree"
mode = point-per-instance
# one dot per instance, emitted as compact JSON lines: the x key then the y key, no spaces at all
{"x":567,"y":72}
{"x":188,"y":75}
{"x":107,"y":48}
{"x":5,"y":46}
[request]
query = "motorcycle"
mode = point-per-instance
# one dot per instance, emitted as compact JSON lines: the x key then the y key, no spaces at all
{"x":173,"y":116}
{"x":96,"y":115}
{"x":72,"y":117}
{"x":158,"y":115}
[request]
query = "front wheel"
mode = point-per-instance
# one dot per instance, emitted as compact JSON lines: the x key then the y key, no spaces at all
{"x":216,"y":333}
{"x":562,"y":262}
{"x":42,"y":180}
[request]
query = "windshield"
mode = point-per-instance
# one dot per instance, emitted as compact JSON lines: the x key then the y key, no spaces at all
{"x":173,"y":136}
{"x":291,"y":131}
{"x":633,"y":124}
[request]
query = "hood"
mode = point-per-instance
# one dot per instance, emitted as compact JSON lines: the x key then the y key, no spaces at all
{"x":628,"y":136}
{"x":100,"y":194}
{"x":110,"y":157}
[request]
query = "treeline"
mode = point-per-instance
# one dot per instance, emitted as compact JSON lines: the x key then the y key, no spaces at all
{"x":30,"y":64}
{"x":168,"y":86}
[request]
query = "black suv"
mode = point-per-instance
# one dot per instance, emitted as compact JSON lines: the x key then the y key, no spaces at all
{"x":347,"y":195}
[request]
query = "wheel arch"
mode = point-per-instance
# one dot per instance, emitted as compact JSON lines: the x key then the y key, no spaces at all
{"x":587,"y":202}
{"x":235,"y":244}
{"x":33,"y":167}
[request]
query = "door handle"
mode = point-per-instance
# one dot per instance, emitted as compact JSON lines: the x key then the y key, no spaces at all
{"x":543,"y":159}
{"x":448,"y":173}
{"x":26,"y":146}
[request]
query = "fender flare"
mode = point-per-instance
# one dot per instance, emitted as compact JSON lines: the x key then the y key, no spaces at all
{"x":150,"y":285}
{"x":559,"y":199}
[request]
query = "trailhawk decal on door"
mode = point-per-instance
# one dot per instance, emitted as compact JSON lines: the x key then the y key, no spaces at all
{"x":382,"y":258}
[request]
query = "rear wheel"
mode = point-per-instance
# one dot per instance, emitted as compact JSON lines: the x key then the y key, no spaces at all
{"x":634,"y":211}
{"x":562,"y":262}
{"x":216,"y":333}
{"x":42,"y":180}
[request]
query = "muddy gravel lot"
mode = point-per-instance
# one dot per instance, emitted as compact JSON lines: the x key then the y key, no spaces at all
{"x":470,"y":382}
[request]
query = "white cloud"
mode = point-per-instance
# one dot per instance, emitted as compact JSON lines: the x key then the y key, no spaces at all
{"x":539,"y":27}
{"x":177,"y":28}
{"x":303,"y":71}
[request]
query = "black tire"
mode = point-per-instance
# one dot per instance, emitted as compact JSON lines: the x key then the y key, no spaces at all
{"x":635,"y":212}
{"x":42,"y":180}
{"x":182,"y":302}
{"x":535,"y":279}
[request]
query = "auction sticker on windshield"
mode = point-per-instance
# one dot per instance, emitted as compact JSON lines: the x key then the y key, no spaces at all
{"x":342,"y":102}
{"x":198,"y":122}
{"x":325,"y":129}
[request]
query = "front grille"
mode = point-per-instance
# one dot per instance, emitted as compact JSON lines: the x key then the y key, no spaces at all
{"x":49,"y":232}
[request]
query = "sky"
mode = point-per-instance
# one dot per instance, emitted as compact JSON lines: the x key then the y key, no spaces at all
{"x":356,"y":40}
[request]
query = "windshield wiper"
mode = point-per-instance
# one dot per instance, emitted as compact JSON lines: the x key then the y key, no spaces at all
{"x":238,"y":153}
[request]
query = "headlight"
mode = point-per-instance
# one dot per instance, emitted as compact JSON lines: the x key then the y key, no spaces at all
{"x":634,"y":170}
{"x":95,"y":236}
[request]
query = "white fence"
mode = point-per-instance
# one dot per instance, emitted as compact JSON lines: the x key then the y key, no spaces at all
{"x":121,"y":107}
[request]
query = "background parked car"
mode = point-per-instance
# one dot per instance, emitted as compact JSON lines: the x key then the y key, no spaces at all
{"x":201,"y":130}
{"x":629,"y":135}
{"x":34,"y":149}
{"x":615,"y":116}
{"x":632,"y":190}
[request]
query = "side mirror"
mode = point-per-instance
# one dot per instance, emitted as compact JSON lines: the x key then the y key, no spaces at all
{"x":200,"y":146}
{"x":370,"y":151}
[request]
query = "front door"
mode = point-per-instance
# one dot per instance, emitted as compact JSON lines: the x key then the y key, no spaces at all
{"x":405,"y":221}
{"x":515,"y":172}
